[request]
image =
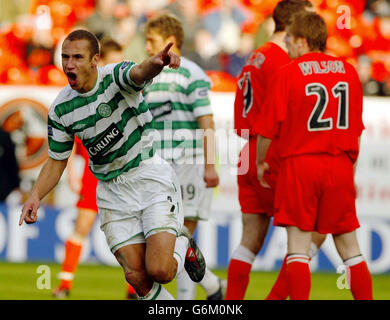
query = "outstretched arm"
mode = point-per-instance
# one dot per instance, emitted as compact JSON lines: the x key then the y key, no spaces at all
{"x":48,"y":178}
{"x":152,"y":66}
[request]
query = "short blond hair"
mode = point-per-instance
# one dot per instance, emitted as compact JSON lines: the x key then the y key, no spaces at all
{"x":166,"y":24}
{"x":312,"y":27}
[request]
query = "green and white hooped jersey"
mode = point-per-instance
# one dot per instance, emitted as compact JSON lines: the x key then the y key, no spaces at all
{"x":112,"y":120}
{"x":176,"y":99}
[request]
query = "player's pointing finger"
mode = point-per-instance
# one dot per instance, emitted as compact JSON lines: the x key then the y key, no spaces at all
{"x":23,"y":216}
{"x":168,"y":46}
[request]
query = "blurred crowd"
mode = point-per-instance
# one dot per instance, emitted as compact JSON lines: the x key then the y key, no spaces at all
{"x":219,"y":35}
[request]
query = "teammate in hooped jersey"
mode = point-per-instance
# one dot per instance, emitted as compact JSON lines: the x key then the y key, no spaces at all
{"x":253,"y":86}
{"x":182,"y":115}
{"x":317,"y":120}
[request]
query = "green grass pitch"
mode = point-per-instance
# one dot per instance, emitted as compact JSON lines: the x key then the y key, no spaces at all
{"x":18,"y":281}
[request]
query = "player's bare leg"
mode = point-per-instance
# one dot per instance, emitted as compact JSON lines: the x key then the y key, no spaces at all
{"x":360,"y":279}
{"x":280,"y":289}
{"x":317,"y":239}
{"x":147,"y":266}
{"x":84,"y":222}
{"x":73,"y":247}
{"x":347,"y":245}
{"x":297,"y":263}
{"x":213,"y":285}
{"x":132,"y":260}
{"x":255,"y":227}
{"x":298,"y":241}
{"x":191,"y":225}
{"x":167,"y":255}
{"x":160,"y":263}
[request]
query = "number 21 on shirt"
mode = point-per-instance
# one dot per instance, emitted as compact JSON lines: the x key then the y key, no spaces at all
{"x":340,"y":92}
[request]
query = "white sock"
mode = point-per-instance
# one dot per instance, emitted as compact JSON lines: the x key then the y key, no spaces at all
{"x":158,"y":292}
{"x":210,"y":282}
{"x":295,"y":257}
{"x":313,"y":250}
{"x":186,"y":288}
{"x":180,"y":251}
{"x":243,"y":254}
{"x":350,"y":262}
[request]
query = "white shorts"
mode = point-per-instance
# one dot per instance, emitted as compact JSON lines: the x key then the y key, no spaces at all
{"x":137,"y":204}
{"x":196,"y":197}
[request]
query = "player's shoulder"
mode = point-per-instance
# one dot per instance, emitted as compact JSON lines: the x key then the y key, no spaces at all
{"x":192,"y":70}
{"x":257,"y":58}
{"x":114,"y":67}
{"x":267,"y":57}
{"x":286,"y":68}
{"x":330,"y":57}
{"x":271,"y":48}
{"x":348,"y":65}
{"x":107,"y":69}
{"x":66,"y":95}
{"x":350,"y":70}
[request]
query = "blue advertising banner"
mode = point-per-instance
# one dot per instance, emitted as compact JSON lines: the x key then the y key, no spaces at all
{"x":218,"y":237}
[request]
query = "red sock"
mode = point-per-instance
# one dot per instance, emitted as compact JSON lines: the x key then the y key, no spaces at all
{"x":71,"y":261}
{"x":237,"y":279}
{"x":279,"y":290}
{"x":360,"y":281}
{"x":298,"y":276}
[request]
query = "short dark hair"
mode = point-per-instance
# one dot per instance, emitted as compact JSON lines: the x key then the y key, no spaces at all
{"x":167,"y":25}
{"x":285,"y":10}
{"x":81,"y":34}
{"x":312,"y":27}
{"x":107,"y":46}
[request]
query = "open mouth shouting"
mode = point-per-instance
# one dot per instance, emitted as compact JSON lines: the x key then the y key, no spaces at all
{"x":72,"y":78}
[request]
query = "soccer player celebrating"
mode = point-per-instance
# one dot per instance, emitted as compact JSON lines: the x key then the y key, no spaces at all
{"x":317,"y":116}
{"x":253,"y":86}
{"x":110,"y":52}
{"x":138,"y":196}
{"x":179,"y":102}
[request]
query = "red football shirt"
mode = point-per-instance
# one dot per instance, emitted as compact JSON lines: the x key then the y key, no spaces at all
{"x":253,"y":84}
{"x":80,"y":149}
{"x":315,"y":107}
{"x":88,"y":179}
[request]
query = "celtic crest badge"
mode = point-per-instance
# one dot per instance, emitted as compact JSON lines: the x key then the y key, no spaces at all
{"x":104,"y":110}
